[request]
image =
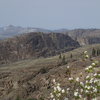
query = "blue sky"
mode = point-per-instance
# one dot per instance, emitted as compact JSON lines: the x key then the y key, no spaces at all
{"x":50,"y":14}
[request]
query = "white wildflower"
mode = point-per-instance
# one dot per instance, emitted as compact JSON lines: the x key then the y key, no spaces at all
{"x":59,"y":88}
{"x":85,"y":52}
{"x":81,"y":83}
{"x":95,"y":90}
{"x":63,"y":91}
{"x":68,"y":67}
{"x":88,"y":87}
{"x":91,"y":81}
{"x":75,"y":93}
{"x":58,"y":95}
{"x":94,"y":99}
{"x":87,"y":77}
{"x":90,"y":67}
{"x":65,"y":98}
{"x":95,"y":81}
{"x":86,"y":81}
{"x":51,"y":95}
{"x":87,"y":91}
{"x":77,"y":79}
{"x":87,"y":56}
{"x":68,"y":89}
{"x":58,"y":84}
{"x":55,"y":88}
{"x":54,"y":80}
{"x":86,"y":68}
{"x":70,"y":79}
{"x":80,"y":96}
{"x":95,"y":74}
{"x":93,"y":64}
{"x":81,"y":90}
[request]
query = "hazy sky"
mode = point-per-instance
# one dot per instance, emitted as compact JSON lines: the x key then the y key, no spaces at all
{"x":50,"y":14}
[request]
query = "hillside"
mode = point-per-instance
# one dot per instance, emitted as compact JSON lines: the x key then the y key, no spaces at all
{"x":36,"y":76}
{"x":34,"y":45}
{"x":85,"y":36}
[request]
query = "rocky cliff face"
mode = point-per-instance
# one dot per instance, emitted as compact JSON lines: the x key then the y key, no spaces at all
{"x":34,"y":45}
{"x":85,"y":36}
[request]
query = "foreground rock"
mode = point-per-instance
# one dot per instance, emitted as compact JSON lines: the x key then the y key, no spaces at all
{"x":32,"y":82}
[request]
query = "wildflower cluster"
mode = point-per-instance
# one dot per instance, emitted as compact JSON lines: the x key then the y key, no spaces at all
{"x":89,"y":88}
{"x":58,"y":93}
{"x":85,"y":55}
{"x":92,"y":81}
{"x":77,"y":95}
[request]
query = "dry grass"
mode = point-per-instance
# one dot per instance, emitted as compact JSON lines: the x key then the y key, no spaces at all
{"x":45,"y":61}
{"x":28,"y":71}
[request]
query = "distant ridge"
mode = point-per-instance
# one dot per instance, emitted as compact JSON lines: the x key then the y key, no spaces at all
{"x":10,"y":31}
{"x":83,"y":36}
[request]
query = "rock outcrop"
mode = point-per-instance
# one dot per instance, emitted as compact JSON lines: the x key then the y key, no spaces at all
{"x":34,"y":45}
{"x":85,"y":36}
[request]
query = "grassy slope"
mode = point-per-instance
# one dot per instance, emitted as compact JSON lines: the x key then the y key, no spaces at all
{"x":27,"y":68}
{"x":45,"y":61}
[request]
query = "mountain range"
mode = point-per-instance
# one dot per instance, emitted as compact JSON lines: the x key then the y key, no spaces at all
{"x":10,"y":30}
{"x":19,"y":43}
{"x":83,"y":36}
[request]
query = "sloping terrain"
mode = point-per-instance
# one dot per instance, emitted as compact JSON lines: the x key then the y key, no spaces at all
{"x":33,"y":45}
{"x":85,"y":36}
{"x":26,"y":65}
{"x":33,"y":78}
